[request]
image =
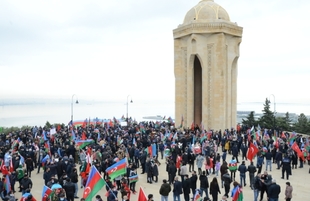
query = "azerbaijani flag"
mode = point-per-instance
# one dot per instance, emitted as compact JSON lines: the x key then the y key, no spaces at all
{"x":7,"y":184}
{"x":292,"y":138}
{"x":93,"y":185}
{"x":197,"y":196}
{"x":117,"y":169}
{"x":149,"y":151}
{"x":73,"y":137}
{"x":167,"y":152}
{"x":46,"y":192}
{"x":78,"y":123}
{"x":133,"y":179}
{"x":232,"y":165}
{"x":237,"y":194}
{"x":83,"y":143}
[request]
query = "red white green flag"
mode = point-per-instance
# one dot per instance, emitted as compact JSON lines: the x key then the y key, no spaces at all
{"x":83,"y":143}
{"x":117,"y":169}
{"x":93,"y":185}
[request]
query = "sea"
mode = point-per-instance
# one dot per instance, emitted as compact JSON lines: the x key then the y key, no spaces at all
{"x":37,"y":113}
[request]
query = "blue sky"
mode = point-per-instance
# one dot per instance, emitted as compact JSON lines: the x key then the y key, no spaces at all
{"x":105,"y":50}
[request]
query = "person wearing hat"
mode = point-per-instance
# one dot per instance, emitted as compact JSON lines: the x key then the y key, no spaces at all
{"x":273,"y":191}
{"x":62,"y":197}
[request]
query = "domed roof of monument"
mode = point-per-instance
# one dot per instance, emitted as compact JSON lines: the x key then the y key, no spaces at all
{"x":206,"y":10}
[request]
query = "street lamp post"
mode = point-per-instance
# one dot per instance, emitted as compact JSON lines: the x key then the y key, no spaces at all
{"x":274,"y":111}
{"x":127,"y":107}
{"x":72,"y":106}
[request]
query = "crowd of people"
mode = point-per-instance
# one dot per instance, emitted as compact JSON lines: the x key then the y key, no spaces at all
{"x":63,"y":160}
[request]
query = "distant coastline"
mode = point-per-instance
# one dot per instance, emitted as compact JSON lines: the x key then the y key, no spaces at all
{"x":17,"y":112}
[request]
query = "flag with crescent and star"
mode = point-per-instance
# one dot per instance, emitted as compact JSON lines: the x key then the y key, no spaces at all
{"x":46,"y":192}
{"x":117,"y":169}
{"x":93,"y":185}
{"x":252,"y":151}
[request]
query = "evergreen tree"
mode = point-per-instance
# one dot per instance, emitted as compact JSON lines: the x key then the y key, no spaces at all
{"x":302,"y":125}
{"x":268,"y":119}
{"x":250,"y":120}
{"x":284,"y":123}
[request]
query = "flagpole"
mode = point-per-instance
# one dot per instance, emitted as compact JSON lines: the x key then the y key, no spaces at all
{"x":109,"y":187}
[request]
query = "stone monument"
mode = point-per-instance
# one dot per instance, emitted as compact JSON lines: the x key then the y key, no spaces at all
{"x":206,"y":52}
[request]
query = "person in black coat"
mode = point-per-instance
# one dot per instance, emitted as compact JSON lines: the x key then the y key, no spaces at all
{"x":25,"y":183}
{"x":286,"y":167}
{"x":278,"y":158}
{"x":274,"y":190}
{"x":235,"y":152}
{"x":214,"y":189}
{"x":75,"y":179}
{"x":155,"y":172}
{"x":186,"y":187}
{"x":47,"y":176}
{"x":59,"y":169}
{"x":70,"y":189}
{"x":251,"y":170}
{"x":149,"y":169}
{"x":143,"y":161}
{"x":112,"y":194}
{"x":294,"y":160}
{"x":29,"y":165}
{"x":204,"y":184}
{"x":227,"y":181}
{"x":53,"y":168}
{"x":244,"y":150}
{"x":191,"y":161}
{"x":108,"y":183}
{"x":242,"y":170}
{"x":266,"y":181}
{"x":177,"y":189}
{"x":172,"y":171}
{"x":193,"y":180}
{"x":185,"y":157}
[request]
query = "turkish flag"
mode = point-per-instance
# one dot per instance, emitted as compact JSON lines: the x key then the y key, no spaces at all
{"x":142,"y":196}
{"x":295,"y":147}
{"x":252,"y":151}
